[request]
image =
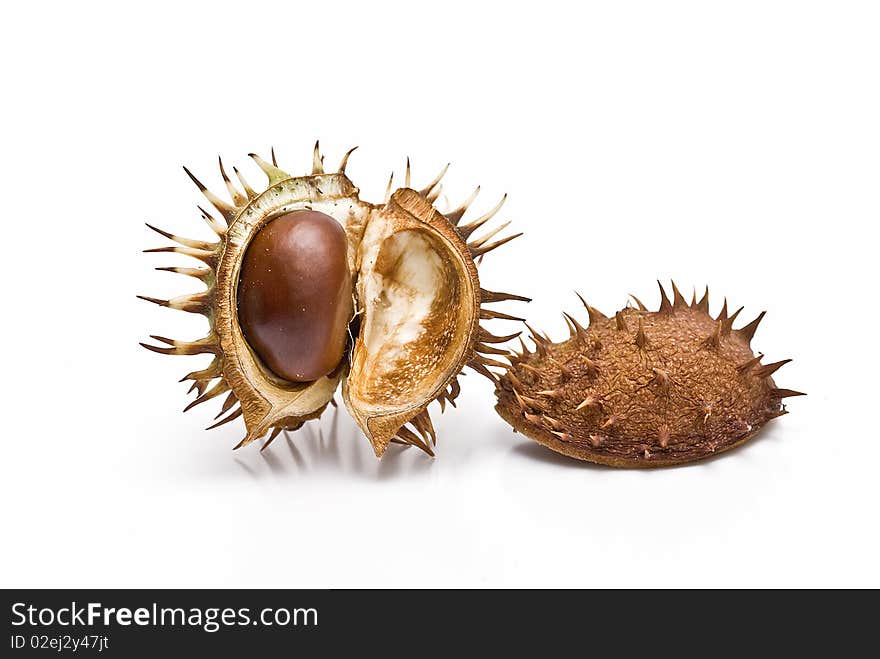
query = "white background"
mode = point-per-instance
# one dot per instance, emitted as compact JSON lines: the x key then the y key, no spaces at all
{"x":734,"y":144}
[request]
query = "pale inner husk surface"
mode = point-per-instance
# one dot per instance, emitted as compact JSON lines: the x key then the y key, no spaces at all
{"x":410,"y":292}
{"x":419,"y":303}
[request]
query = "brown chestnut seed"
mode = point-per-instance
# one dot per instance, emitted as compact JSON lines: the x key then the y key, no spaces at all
{"x":295,"y":295}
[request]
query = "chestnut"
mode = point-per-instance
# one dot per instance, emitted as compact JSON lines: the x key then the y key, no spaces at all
{"x":310,"y":290}
{"x":295,"y":295}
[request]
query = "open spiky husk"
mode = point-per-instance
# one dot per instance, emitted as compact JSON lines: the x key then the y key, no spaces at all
{"x":406,"y":364}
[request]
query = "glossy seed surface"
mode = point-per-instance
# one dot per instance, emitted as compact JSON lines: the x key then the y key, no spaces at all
{"x":295,"y":295}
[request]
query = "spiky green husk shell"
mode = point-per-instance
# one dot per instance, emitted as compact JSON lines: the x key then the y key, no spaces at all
{"x":643,"y":389}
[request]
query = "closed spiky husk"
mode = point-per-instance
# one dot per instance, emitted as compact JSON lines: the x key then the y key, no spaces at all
{"x":642,"y":388}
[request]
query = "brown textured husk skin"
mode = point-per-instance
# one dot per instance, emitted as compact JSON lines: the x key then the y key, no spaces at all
{"x":686,"y":387}
{"x":580,"y":450}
